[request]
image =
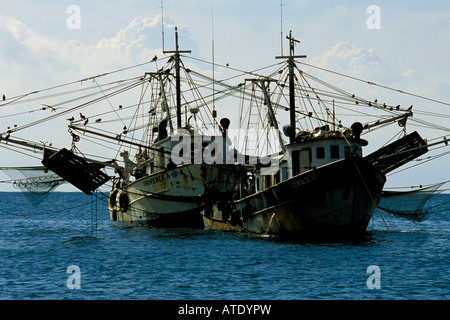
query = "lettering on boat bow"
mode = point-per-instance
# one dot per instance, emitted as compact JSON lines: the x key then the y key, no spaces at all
{"x":303,"y":181}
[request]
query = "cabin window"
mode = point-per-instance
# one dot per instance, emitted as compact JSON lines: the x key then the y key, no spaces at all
{"x":284,"y":173}
{"x":320,"y":153}
{"x":334,"y":152}
{"x":305,"y":161}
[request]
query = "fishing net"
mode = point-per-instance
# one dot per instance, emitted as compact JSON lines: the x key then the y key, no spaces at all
{"x":34,"y":182}
{"x":409,"y":205}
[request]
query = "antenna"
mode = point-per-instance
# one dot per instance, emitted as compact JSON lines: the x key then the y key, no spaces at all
{"x":281,"y":25}
{"x":176,"y":53}
{"x":162,"y":23}
{"x":213,"y":59}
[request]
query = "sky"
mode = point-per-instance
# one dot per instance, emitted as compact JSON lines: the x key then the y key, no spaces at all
{"x":401,"y":44}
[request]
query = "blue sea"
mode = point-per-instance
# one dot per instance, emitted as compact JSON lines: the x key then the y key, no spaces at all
{"x":66,"y":249}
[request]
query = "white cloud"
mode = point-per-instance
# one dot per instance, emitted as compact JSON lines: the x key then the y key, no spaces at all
{"x":25,"y":54}
{"x":31,"y":60}
{"x":366,"y":64}
{"x":359,"y":62}
{"x":132,"y":36}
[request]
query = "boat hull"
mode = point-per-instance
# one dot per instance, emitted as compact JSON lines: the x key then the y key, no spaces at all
{"x":169,"y":198}
{"x":335,"y":200}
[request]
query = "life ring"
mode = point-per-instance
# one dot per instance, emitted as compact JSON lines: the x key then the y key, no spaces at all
{"x":123,"y":201}
{"x":114,"y":215}
{"x":235,"y":218}
{"x":225,"y":209}
{"x":112,"y":200}
{"x":246,"y":212}
{"x":208,"y":211}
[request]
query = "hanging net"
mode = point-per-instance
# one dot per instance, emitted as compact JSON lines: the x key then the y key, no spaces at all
{"x":409,"y":205}
{"x":34,"y":182}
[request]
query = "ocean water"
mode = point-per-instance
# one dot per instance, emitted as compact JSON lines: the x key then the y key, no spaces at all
{"x":40,"y":245}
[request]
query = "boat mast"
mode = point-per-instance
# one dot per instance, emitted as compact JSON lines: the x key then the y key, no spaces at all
{"x":291,"y":63}
{"x":177,"y":75}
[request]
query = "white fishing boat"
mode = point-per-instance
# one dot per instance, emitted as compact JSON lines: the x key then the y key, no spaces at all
{"x":162,"y":193}
{"x":149,"y":185}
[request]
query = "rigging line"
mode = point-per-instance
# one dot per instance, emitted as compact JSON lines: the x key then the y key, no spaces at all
{"x":446,"y":137}
{"x":212,"y":52}
{"x":16,"y":98}
{"x":120,"y":140}
{"x":424,"y":186}
{"x":113,"y":146}
{"x":438,"y":205}
{"x":136,"y":117}
{"x":373,"y":200}
{"x":351,"y":97}
{"x":331,"y":95}
{"x":20,"y":113}
{"x":112,"y":111}
{"x":200,"y":100}
{"x":395,"y":136}
{"x":42,"y":213}
{"x":319,"y":100}
{"x":117,"y":83}
{"x":74,"y":108}
{"x":253,"y":73}
{"x":431,"y":114}
{"x":430,"y":124}
{"x":96,"y":141}
{"x":355,"y":113}
{"x":376,"y":84}
{"x":2,"y":145}
{"x":438,"y":211}
{"x":221,"y":82}
{"x":420,"y":163}
{"x":207,"y":85}
{"x":112,"y":107}
{"x":424,"y":126}
{"x":234,"y":91}
{"x":305,"y":99}
{"x":116,"y":88}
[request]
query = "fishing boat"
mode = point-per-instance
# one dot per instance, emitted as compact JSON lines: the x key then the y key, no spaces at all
{"x":166,"y":192}
{"x":160,"y":180}
{"x":323,"y":186}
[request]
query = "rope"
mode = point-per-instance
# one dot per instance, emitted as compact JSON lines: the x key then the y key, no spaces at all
{"x":133,"y":85}
{"x":94,"y":214}
{"x":17,"y":98}
{"x":373,"y":201}
{"x":376,"y":84}
{"x":42,"y":213}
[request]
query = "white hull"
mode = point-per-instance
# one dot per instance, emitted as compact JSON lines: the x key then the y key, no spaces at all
{"x":169,"y":197}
